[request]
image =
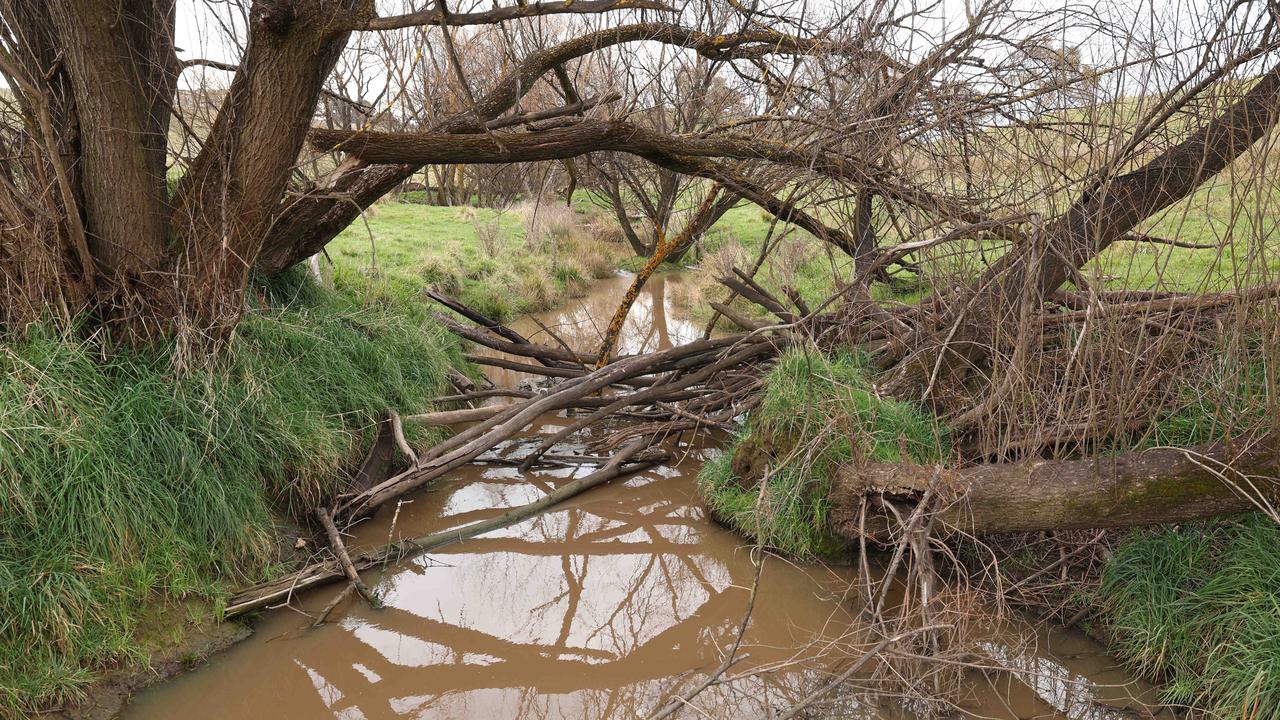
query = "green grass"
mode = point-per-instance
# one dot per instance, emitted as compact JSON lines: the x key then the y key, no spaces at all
{"x":1231,"y":400}
{"x":126,"y":483}
{"x":502,"y":263}
{"x":1234,"y":211}
{"x":1199,"y":607}
{"x":816,"y":413}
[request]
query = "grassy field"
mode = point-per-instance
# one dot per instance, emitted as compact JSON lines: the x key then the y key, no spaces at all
{"x":503,"y":263}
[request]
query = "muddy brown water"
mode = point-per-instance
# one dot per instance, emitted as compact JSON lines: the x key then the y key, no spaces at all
{"x":596,"y":609}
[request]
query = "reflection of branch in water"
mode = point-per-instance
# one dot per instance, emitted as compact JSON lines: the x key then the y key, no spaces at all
{"x":604,"y":655}
{"x":532,"y":665}
{"x":465,"y":640}
{"x":730,"y":659}
{"x":573,"y":582}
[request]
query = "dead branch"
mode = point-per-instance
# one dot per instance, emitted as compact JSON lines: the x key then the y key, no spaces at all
{"x":625,"y":462}
{"x":344,"y":560}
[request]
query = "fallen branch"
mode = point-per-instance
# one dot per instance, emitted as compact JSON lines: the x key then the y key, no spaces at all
{"x":466,"y":445}
{"x":505,"y":364}
{"x":542,"y":353}
{"x":339,"y":550}
{"x":453,"y":417}
{"x":337,"y":600}
{"x":757,"y":296}
{"x":651,"y":394}
{"x":627,"y":461}
{"x":1177,"y":303}
{"x":478,"y":318}
{"x":1145,"y":487}
{"x":741,"y":321}
{"x":397,"y":427}
{"x":1152,"y":239}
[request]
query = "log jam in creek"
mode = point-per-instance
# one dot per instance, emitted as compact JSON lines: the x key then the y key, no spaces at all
{"x":609,"y":605}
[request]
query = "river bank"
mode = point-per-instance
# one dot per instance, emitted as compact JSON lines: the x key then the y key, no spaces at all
{"x":659,"y":320}
{"x":148,"y":481}
{"x":154,"y":481}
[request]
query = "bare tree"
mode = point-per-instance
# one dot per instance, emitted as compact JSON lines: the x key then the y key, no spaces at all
{"x":94,"y":92}
{"x":677,"y":98}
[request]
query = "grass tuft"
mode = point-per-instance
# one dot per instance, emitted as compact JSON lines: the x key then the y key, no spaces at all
{"x":816,"y":412}
{"x":1199,"y":607}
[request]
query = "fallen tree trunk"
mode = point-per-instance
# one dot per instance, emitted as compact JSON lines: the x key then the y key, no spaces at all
{"x":1157,"y":486}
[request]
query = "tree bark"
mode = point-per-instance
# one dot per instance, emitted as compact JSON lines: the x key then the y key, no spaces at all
{"x":228,"y":200}
{"x":864,"y":233}
{"x":122,"y":69}
{"x":1157,"y":486}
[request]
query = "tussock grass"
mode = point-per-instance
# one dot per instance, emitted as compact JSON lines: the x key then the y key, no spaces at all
{"x":1199,"y":606}
{"x":816,"y":412}
{"x":123,"y":480}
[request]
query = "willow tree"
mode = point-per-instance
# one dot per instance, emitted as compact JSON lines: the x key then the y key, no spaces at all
{"x":986,"y":134}
{"x":93,"y":223}
{"x":98,"y":223}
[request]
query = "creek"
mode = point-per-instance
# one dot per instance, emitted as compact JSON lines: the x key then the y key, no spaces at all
{"x":599,"y":607}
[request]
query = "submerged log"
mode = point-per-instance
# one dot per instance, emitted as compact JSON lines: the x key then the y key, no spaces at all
{"x":1160,"y":485}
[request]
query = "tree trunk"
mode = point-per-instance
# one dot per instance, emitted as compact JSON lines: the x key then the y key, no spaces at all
{"x":613,"y":191}
{"x":864,"y":233}
{"x":708,"y":214}
{"x":122,"y":68}
{"x":1157,"y":486}
{"x":228,"y":201}
{"x":307,"y":225}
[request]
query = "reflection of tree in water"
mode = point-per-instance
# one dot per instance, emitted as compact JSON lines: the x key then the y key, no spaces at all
{"x":585,"y":612}
{"x":648,"y":327}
